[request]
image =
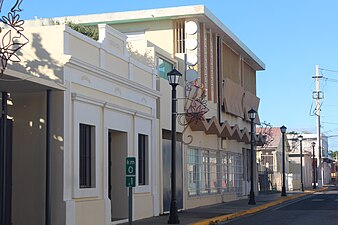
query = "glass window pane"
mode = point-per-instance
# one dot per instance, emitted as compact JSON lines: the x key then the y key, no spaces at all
{"x":86,"y":155}
{"x":164,"y":67}
{"x":142,"y":159}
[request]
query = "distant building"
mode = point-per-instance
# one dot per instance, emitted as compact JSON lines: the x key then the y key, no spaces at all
{"x":307,"y":150}
{"x":269,"y":160}
{"x":294,"y":161}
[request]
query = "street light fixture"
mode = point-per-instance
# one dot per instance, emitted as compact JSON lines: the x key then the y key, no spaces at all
{"x":174,"y":77}
{"x":283,"y":130}
{"x":300,"y":138}
{"x":313,"y":144}
{"x":252,"y":116}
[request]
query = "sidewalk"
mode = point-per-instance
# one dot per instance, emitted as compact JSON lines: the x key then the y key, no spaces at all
{"x":224,"y":211}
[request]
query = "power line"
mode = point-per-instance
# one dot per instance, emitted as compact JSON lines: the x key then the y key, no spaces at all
{"x":330,"y":122}
{"x":331,"y":79}
{"x":333,"y":71}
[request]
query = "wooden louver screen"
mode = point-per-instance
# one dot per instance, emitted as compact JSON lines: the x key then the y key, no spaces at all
{"x":249,"y":79}
{"x":231,"y":64}
{"x":179,"y":36}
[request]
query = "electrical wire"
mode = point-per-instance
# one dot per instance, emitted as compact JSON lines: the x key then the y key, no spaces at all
{"x":333,"y":71}
{"x":330,"y":122}
{"x":331,"y":80}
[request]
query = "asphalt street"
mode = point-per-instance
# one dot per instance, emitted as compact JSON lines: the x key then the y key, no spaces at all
{"x":318,"y":208}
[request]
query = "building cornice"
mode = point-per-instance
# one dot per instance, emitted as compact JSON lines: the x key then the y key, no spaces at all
{"x":199,"y":11}
{"x":104,"y":74}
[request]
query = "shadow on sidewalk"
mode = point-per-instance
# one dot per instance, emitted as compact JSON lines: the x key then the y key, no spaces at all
{"x":223,"y":211}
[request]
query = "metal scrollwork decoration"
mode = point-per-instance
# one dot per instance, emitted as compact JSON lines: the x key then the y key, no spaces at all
{"x":195,"y":106}
{"x":13,"y":39}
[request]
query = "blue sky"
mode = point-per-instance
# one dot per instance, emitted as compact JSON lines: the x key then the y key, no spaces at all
{"x":289,"y":36}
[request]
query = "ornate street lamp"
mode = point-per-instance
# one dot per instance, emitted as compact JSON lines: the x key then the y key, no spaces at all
{"x":283,"y":130}
{"x":313,"y":144}
{"x":300,"y":138}
{"x":252,"y":116}
{"x":174,"y":77}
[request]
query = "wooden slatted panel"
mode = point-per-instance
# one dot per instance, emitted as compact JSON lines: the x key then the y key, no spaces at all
{"x":209,"y":65}
{"x":220,"y":46}
{"x":179,"y":36}
{"x":242,"y":72}
{"x":231,"y":64}
{"x":234,"y":67}
{"x":214,"y":63}
{"x":249,"y":79}
{"x":202,"y":53}
{"x":175,"y":36}
{"x":226,"y":51}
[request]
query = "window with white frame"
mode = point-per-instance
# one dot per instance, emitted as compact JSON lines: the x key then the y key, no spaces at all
{"x":238,"y":174}
{"x":247,"y":163}
{"x":212,"y":172}
{"x":87,"y":156}
{"x":143,"y":159}
{"x":205,"y":184}
{"x":224,"y":166}
{"x":267,"y":160}
{"x":232,"y":168}
{"x":193,"y":171}
{"x":203,"y":168}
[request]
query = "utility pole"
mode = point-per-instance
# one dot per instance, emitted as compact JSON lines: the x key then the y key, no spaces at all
{"x":318,"y":95}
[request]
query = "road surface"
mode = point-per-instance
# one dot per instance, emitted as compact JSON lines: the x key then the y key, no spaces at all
{"x":320,"y":208}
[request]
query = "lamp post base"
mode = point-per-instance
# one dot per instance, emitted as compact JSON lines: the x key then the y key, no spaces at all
{"x":252,"y":198}
{"x":283,"y":192}
{"x":173,"y":216}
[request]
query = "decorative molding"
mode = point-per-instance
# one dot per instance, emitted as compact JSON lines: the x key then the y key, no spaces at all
{"x":119,"y":108}
{"x":104,"y":74}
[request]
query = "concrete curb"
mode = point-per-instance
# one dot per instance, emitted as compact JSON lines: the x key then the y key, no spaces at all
{"x":252,"y":210}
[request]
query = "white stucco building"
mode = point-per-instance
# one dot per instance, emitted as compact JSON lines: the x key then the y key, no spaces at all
{"x":102,"y":109}
{"x":307,"y":148}
{"x":91,"y":104}
{"x":203,"y":48}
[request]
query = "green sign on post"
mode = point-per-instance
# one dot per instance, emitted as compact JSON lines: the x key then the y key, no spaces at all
{"x":130,"y":171}
{"x":130,"y":181}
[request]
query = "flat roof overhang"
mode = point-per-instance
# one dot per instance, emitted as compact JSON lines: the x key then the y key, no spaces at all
{"x":15,"y":82}
{"x":181,"y":12}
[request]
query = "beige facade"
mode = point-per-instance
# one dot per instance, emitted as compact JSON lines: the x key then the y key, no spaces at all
{"x":114,"y":93}
{"x":95,"y":85}
{"x":215,"y":149}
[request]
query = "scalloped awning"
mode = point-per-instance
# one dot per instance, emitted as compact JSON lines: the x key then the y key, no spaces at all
{"x":224,"y":130}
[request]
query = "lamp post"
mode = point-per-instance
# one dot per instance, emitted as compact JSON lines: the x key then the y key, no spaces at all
{"x":283,"y":130}
{"x":174,"y":79}
{"x":300,"y":138}
{"x":252,"y":116}
{"x":313,"y":144}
